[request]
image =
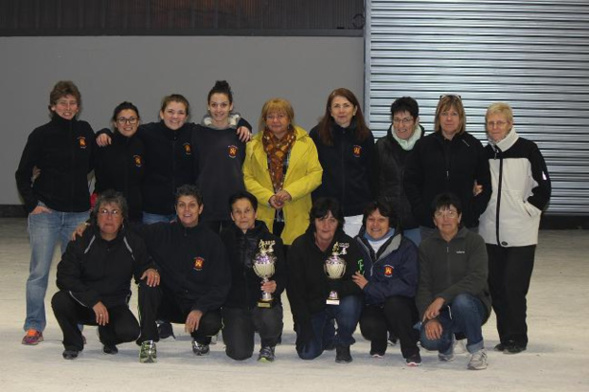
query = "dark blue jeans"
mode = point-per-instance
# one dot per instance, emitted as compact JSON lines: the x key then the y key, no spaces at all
{"x":346,"y":315}
{"x":465,"y":314}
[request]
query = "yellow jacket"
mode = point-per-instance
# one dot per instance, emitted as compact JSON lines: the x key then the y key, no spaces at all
{"x":302,"y":177}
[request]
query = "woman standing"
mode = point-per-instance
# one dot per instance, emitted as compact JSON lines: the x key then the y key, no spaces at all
{"x":121,"y":165}
{"x":448,"y":160}
{"x":219,"y":145}
{"x":509,"y":226}
{"x":346,"y":149}
{"x":59,"y":200}
{"x":281,"y":169}
{"x":391,"y":156}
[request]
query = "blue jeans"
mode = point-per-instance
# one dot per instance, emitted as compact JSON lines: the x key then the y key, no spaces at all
{"x":346,"y":314}
{"x":466,"y":315}
{"x":149,"y":218}
{"x":45,"y":230}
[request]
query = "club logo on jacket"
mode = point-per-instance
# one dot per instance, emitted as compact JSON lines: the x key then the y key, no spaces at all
{"x":187,"y":148}
{"x":232,"y":150}
{"x":198,"y":263}
{"x":357,"y":150}
{"x":82,"y":142}
{"x":138,"y":161}
{"x":388,"y":270}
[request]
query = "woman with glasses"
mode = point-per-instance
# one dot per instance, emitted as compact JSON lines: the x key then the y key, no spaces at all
{"x":390,"y":159}
{"x":346,"y":149}
{"x":58,"y":199}
{"x":121,"y":165}
{"x":281,"y":169}
{"x":521,"y":191}
{"x":452,"y":293}
{"x":448,"y":160}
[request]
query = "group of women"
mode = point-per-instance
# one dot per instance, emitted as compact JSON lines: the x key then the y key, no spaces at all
{"x":286,"y":169}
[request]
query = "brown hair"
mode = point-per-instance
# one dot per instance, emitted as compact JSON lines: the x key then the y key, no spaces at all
{"x":445,"y":103}
{"x":63,"y":88}
{"x":326,"y":124}
{"x":175,"y":98}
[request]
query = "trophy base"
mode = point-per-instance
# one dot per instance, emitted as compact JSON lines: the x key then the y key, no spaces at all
{"x":264,"y":304}
{"x":332,"y":301}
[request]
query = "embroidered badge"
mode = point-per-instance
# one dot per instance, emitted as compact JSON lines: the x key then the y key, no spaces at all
{"x":232,"y":151}
{"x":187,"y":148}
{"x":82,"y":142}
{"x":388,"y":271}
{"x":198,"y":263}
{"x":137,"y":160}
{"x":357,"y":151}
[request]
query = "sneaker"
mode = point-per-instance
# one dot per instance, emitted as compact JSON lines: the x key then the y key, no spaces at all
{"x":413,"y":360}
{"x":478,"y":360}
{"x":110,"y":349}
{"x":266,"y":354}
{"x":342,"y":354}
{"x":165,"y":330}
{"x":148,"y":352}
{"x":499,"y":347}
{"x":32,"y":337}
{"x":200,"y":349}
{"x":376,"y":354}
{"x":514,"y":349}
{"x":447,"y":355}
{"x":70,"y":354}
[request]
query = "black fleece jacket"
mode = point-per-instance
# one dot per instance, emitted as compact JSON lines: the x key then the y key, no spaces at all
{"x":192,"y":263}
{"x":347,"y":169}
{"x":121,"y":166}
{"x":241,"y":249}
{"x":63,"y":150}
{"x":93,"y":270}
{"x":308,"y":285}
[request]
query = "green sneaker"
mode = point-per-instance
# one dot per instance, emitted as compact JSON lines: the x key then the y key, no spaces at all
{"x":148,"y":352}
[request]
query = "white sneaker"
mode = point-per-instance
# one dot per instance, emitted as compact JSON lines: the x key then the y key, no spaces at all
{"x":478,"y":360}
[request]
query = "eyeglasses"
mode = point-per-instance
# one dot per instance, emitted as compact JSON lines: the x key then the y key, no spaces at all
{"x":279,"y":116}
{"x":404,"y":121}
{"x":446,"y":214}
{"x":123,"y":120}
{"x":499,"y":124}
{"x":105,"y":212}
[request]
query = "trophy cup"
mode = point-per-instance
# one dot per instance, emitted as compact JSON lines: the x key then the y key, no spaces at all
{"x":335,"y":268}
{"x":263,"y":265}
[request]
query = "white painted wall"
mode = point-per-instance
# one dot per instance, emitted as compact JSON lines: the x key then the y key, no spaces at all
{"x":109,"y":70}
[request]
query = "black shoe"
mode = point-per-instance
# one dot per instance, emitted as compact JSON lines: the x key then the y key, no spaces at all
{"x":110,"y":349}
{"x":413,"y":360}
{"x":342,"y":354}
{"x":200,"y":349}
{"x":500,"y":347}
{"x":165,"y":330}
{"x":514,"y":349}
{"x":70,"y":354}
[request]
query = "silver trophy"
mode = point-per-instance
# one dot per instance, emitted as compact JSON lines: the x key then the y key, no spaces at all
{"x":264,"y":267}
{"x":335,"y":268}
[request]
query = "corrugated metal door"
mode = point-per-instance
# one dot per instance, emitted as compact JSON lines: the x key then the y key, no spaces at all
{"x":531,"y":54}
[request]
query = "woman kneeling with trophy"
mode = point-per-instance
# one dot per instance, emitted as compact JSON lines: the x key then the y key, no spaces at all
{"x":321,"y":264}
{"x":258,"y":278}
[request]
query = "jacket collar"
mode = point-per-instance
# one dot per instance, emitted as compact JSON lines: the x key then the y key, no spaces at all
{"x":507,"y":142}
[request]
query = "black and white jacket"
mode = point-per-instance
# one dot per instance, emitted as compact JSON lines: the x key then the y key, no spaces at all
{"x":521,"y":190}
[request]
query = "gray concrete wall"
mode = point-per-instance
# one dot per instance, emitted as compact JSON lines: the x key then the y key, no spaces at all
{"x":109,"y":70}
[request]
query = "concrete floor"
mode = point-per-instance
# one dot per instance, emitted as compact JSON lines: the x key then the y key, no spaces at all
{"x":556,"y":360}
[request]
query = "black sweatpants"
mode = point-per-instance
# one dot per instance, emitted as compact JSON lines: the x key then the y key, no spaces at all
{"x":398,"y":315}
{"x":510,"y":271}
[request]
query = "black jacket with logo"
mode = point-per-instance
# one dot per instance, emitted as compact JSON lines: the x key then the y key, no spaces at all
{"x":347,"y":169}
{"x":168,"y":164}
{"x":192,"y":263}
{"x":121,"y":166}
{"x":63,"y":150}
